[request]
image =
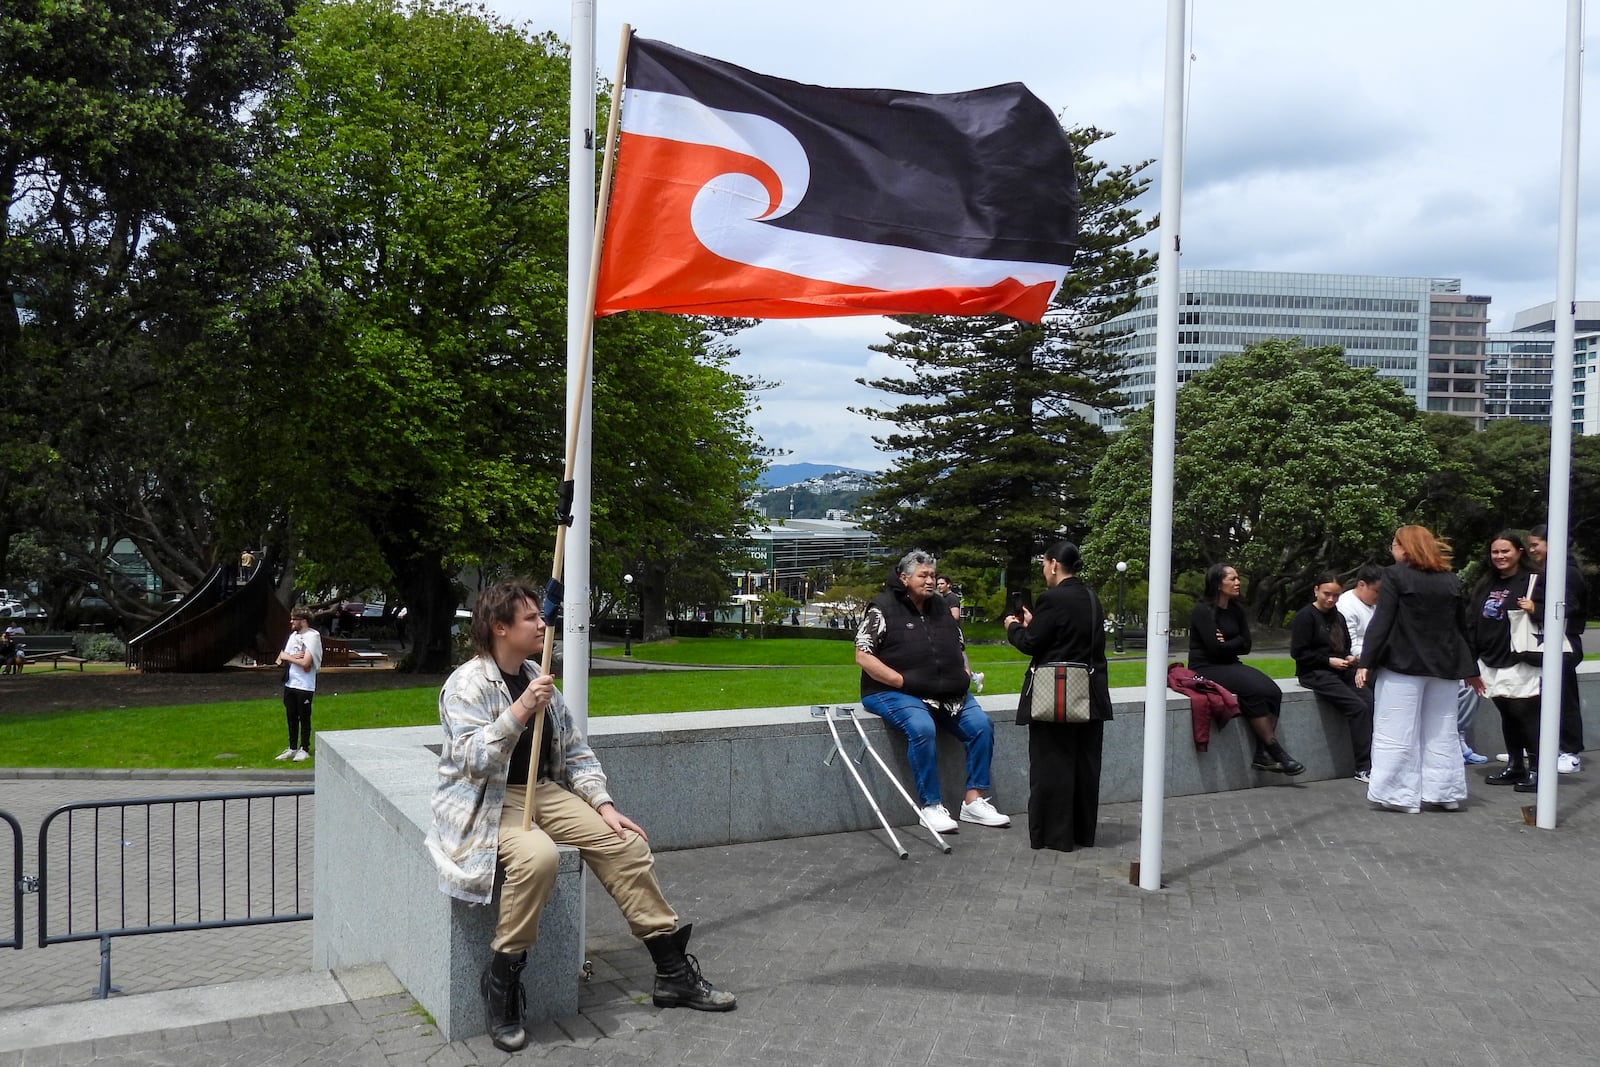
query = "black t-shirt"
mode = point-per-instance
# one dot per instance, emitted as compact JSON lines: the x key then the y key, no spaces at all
{"x":518,"y":774}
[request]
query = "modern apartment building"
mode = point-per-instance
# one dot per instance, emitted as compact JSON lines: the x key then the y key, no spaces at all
{"x":1519,"y":368}
{"x":1422,"y":332}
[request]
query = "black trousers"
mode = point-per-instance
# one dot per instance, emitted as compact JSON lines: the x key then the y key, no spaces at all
{"x":1571,"y":705}
{"x":1064,"y":784}
{"x":1519,"y":722}
{"x":297,"y":710}
{"x":1339,"y":689}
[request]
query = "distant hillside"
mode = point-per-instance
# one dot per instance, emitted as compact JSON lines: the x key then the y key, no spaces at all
{"x":783,"y":475}
{"x":839,"y":490}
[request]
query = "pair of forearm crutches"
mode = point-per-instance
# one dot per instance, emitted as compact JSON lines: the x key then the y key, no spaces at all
{"x":831,"y":713}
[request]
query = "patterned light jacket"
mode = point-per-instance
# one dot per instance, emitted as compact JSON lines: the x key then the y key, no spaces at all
{"x":479,"y":734}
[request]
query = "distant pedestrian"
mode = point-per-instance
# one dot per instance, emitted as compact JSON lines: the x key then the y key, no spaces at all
{"x":952,"y":599}
{"x":302,"y":653}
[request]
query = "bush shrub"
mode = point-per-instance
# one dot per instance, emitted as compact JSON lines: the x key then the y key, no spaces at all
{"x":103,"y":648}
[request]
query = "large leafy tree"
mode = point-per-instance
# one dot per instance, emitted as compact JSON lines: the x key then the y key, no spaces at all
{"x":1288,"y":461}
{"x":673,"y":453}
{"x":119,"y":122}
{"x":995,"y":439}
{"x":1499,"y":478}
{"x":425,"y":156}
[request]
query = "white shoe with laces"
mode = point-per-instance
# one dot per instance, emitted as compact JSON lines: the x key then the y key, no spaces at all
{"x":301,"y":756}
{"x":982,"y":812}
{"x":936,"y":817}
{"x":287,"y":753}
{"x":1569,"y":763}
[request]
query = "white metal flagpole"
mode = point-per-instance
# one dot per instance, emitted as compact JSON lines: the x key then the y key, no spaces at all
{"x":1159,"y":607}
{"x":1555,"y":576}
{"x":580,"y":254}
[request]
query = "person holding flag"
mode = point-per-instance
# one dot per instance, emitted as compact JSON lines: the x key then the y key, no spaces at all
{"x":485,"y":764}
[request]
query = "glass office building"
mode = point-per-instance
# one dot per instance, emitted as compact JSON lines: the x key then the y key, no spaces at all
{"x":1422,"y":332}
{"x":1520,"y":365}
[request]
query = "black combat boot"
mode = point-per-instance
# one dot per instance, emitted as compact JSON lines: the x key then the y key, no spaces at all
{"x":504,"y":1000}
{"x":678,"y":981}
{"x":1287,"y":764}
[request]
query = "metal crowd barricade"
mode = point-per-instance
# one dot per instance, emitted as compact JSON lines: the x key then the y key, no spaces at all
{"x":19,"y":883}
{"x":154,"y":865}
{"x":831,"y":713}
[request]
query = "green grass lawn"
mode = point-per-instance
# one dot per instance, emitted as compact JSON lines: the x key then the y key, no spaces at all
{"x":247,"y":734}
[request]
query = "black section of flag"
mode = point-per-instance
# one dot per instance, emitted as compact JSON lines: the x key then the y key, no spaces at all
{"x":985,"y":174}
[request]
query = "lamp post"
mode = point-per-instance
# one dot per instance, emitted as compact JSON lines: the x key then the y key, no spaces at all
{"x":627,"y":623}
{"x":1122,"y":587}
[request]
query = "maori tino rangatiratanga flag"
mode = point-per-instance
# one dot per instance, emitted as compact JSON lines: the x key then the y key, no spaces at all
{"x":744,"y":195}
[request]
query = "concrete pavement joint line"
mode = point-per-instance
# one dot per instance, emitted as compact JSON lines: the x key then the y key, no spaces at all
{"x":94,"y":1020}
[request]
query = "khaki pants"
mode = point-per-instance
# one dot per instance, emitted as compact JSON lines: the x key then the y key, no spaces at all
{"x":624,"y":866}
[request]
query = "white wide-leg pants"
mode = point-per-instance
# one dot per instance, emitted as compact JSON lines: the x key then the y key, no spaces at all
{"x":1416,"y":750}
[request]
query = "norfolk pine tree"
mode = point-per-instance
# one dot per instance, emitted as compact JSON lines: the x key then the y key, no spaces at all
{"x":994,"y":449}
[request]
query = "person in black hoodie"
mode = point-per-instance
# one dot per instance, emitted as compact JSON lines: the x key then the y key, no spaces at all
{"x":1066,"y":625}
{"x":1577,"y":617}
{"x":914,"y":674}
{"x":1319,"y":641}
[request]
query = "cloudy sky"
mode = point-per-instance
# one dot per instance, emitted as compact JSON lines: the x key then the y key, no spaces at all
{"x":1403,"y":137}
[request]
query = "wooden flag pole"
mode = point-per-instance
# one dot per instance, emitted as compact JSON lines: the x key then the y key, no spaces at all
{"x":564,"y":509}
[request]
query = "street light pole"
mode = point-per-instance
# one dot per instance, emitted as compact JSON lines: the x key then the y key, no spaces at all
{"x":627,"y":623}
{"x":1122,"y":588}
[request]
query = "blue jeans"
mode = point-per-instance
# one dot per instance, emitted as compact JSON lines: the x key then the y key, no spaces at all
{"x":911,"y":716}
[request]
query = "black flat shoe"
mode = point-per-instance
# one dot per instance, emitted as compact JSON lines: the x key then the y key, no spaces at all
{"x":1507,"y":777}
{"x":1528,"y":785}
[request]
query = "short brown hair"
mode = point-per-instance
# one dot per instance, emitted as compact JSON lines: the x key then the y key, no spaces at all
{"x":300,"y":613}
{"x":499,"y":603}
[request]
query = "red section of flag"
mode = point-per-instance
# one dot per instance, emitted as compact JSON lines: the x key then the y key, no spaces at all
{"x":655,"y":262}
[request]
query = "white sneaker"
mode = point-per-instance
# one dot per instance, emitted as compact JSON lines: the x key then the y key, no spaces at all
{"x":1569,"y":763}
{"x":287,"y":753}
{"x":982,"y":812}
{"x":936,"y":817}
{"x":1502,"y":757}
{"x":977,"y":681}
{"x":301,"y":755}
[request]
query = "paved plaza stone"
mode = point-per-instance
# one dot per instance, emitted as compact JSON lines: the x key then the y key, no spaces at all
{"x":1296,"y":926}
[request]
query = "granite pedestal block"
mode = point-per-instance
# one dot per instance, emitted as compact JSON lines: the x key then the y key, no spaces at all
{"x":377,"y":899}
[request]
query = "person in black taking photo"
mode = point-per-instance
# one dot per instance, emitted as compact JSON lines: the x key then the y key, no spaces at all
{"x":1218,"y":635}
{"x":914,"y":674}
{"x":1066,"y":625}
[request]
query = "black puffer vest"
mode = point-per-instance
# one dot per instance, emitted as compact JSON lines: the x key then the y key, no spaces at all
{"x":924,"y":646}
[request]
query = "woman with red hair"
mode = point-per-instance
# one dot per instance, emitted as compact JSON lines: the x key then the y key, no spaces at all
{"x":1417,"y":652}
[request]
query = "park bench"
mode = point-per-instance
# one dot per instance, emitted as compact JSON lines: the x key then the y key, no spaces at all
{"x":53,"y":647}
{"x":350,"y":652}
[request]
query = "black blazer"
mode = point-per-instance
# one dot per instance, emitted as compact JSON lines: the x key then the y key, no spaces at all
{"x":1068,"y":626}
{"x":1416,"y":628}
